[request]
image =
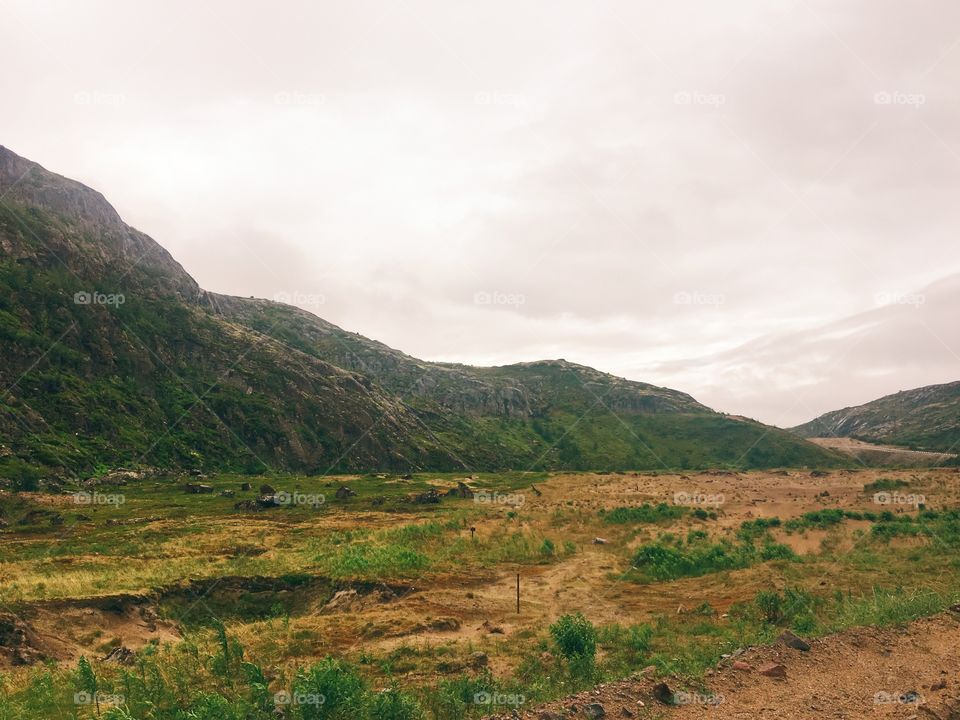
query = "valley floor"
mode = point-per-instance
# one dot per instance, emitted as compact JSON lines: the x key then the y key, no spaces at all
{"x":412,"y":583}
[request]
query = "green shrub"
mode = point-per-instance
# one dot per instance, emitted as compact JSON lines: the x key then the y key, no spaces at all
{"x":770,"y":605}
{"x":392,"y":704}
{"x":330,"y":689}
{"x":575,"y":636}
{"x":645,"y":513}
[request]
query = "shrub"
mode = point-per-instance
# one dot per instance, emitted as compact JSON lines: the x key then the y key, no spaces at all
{"x":394,"y":705}
{"x":770,"y":605}
{"x":338,"y":684}
{"x":645,"y":513}
{"x":575,"y":636}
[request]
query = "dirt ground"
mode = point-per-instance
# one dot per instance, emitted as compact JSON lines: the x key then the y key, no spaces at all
{"x":883,"y":454}
{"x":474,"y":607}
{"x":910,"y":672}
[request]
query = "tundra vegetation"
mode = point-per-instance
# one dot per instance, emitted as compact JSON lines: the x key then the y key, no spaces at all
{"x":397,"y":600}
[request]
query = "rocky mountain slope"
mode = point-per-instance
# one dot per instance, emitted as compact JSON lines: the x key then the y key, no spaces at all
{"x":926,"y":418}
{"x":115,"y":355}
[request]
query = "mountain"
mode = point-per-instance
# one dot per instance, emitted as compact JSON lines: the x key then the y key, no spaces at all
{"x":926,"y":418}
{"x":113,"y":355}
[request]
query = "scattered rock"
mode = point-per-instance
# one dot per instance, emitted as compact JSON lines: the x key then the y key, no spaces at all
{"x":120,"y":655}
{"x":197,"y":488}
{"x":245,"y":486}
{"x":343,"y":492}
{"x":133,"y":521}
{"x":479,"y":660}
{"x":462,"y":490}
{"x":663,"y":693}
{"x":774,"y":670}
{"x":430,"y":497}
{"x":741,"y":665}
{"x":18,"y":641}
{"x":594,"y":710}
{"x":600,"y":541}
{"x":792,"y":641}
{"x":267,"y":489}
{"x":227,"y":493}
{"x":491,"y":629}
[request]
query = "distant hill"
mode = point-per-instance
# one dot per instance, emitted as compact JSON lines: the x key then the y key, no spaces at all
{"x":113,"y":355}
{"x":926,"y":418}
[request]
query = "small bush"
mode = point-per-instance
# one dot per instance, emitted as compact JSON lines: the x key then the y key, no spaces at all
{"x":394,"y":705}
{"x":645,"y":513}
{"x":770,"y":605}
{"x":575,"y":636}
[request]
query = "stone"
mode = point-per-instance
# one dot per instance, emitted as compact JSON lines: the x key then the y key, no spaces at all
{"x":594,"y":710}
{"x":479,"y":660}
{"x":774,"y":670}
{"x":792,"y":641}
{"x":663,"y":693}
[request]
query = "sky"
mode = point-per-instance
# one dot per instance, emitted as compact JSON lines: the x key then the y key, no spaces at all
{"x":752,"y":202}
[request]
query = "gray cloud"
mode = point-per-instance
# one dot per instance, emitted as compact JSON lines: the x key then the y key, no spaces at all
{"x":675,"y":192}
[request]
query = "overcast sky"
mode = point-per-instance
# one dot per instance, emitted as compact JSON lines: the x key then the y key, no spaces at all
{"x":748,"y":201}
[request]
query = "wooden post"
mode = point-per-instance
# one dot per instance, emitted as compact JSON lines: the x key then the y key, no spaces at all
{"x":518,"y":593}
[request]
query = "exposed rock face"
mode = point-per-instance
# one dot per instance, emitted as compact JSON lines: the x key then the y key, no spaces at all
{"x":926,"y":418}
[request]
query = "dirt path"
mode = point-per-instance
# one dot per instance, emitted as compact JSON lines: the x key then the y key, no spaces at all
{"x":911,"y":672}
{"x":883,"y":454}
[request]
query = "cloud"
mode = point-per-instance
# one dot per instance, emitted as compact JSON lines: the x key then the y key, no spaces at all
{"x":660,"y":184}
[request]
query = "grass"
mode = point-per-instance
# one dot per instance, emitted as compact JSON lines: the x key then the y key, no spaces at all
{"x":262,"y":633}
{"x":672,"y":557}
{"x":646,"y":513}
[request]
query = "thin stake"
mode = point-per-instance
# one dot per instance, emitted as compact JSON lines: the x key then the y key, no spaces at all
{"x":518,"y":593}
